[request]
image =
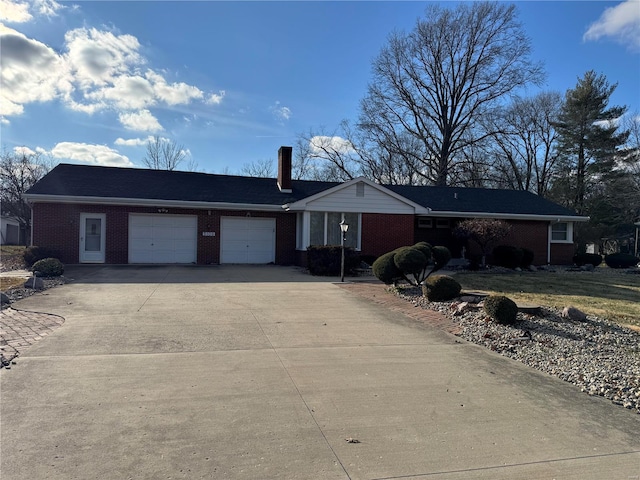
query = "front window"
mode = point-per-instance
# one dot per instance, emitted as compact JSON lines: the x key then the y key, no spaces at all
{"x":325,"y":228}
{"x":559,"y":232}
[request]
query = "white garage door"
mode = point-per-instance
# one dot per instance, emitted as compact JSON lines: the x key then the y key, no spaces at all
{"x":247,"y":240}
{"x":162,"y":238}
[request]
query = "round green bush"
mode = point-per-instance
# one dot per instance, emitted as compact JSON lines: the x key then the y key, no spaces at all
{"x":501,"y":309}
{"x":410,"y":260}
{"x":621,"y":260}
{"x":48,"y":267}
{"x":385,"y":269}
{"x":581,"y":259}
{"x":441,"y":256}
{"x":440,"y":288}
{"x":527,"y":258}
{"x":508,"y":256}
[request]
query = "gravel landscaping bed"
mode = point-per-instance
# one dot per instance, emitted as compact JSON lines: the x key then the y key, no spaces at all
{"x":600,"y":357}
{"x":18,"y":293}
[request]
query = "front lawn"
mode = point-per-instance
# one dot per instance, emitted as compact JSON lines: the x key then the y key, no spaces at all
{"x":11,"y":257}
{"x":606,"y":293}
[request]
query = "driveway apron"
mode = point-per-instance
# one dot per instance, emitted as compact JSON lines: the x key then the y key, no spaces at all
{"x":265,"y":372}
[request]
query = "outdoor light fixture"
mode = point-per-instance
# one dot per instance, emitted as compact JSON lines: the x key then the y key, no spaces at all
{"x":343,"y":228}
{"x":637,"y":224}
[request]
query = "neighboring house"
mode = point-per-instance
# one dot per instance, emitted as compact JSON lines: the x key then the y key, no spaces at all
{"x":121,"y":215}
{"x":9,"y":231}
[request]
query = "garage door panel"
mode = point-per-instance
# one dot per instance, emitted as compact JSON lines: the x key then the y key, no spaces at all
{"x":162,"y":238}
{"x":247,"y":240}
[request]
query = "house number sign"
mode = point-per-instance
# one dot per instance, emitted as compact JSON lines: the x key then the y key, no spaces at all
{"x":208,"y":234}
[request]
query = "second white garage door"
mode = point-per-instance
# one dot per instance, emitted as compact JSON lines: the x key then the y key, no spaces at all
{"x":247,"y":240}
{"x":162,"y":238}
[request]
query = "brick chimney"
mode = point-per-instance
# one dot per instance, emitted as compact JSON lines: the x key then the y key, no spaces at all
{"x":284,"y":169}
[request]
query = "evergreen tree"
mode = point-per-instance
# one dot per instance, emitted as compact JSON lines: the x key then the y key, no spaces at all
{"x":588,"y":138}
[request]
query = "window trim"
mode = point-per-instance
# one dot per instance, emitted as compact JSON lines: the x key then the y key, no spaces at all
{"x":425,"y":222}
{"x":305,"y":240}
{"x":568,"y":232}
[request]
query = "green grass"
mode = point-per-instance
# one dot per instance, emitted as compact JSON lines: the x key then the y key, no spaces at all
{"x":11,"y":250}
{"x":7,"y":283}
{"x":611,"y":295}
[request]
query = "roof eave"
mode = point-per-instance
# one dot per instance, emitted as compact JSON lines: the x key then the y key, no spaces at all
{"x":149,"y":202}
{"x":510,"y":216}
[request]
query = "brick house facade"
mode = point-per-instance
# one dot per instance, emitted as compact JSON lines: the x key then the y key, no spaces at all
{"x":210,"y":219}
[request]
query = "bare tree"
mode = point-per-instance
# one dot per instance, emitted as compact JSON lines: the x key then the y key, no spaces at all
{"x":436,"y":81}
{"x":165,"y":154}
{"x":523,"y":143}
{"x":19,"y":171}
{"x":351,"y":152}
{"x":259,"y":168}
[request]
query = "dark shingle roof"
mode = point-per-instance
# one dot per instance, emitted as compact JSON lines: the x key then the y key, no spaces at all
{"x":480,"y":200}
{"x":135,"y":183}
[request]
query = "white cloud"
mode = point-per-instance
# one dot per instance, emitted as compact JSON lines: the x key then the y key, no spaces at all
{"x":98,"y":70}
{"x":21,"y":12}
{"x":97,"y":57}
{"x":14,"y":12}
{"x":91,"y":154}
{"x":216,"y":98}
{"x":322,"y":143}
{"x":31,"y":72}
{"x":133,"y":142}
{"x":175,"y":93}
{"x":142,"y":121}
{"x":622,"y":23}
{"x":48,"y":8}
{"x":281,"y":113}
{"x":26,"y":151}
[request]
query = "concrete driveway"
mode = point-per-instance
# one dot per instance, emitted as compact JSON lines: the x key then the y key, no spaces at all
{"x":265,"y":372}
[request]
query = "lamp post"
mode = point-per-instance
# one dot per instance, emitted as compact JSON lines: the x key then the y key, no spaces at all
{"x":637,"y":224}
{"x":343,"y":228}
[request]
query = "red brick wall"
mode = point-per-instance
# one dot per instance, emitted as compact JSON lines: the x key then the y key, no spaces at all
{"x":382,"y":233}
{"x":531,"y":235}
{"x":57,"y":226}
{"x":562,"y":253}
{"x":534,"y":236}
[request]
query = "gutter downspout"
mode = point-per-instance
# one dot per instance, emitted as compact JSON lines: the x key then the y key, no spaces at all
{"x":549,"y":244}
{"x":31,"y":225}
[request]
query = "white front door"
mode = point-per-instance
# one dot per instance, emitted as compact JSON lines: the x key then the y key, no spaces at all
{"x":92,"y":241}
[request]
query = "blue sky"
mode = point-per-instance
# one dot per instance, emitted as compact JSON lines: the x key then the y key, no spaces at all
{"x":89,"y":82}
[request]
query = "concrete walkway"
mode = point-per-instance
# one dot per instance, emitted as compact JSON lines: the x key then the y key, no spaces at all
{"x":266,"y":373}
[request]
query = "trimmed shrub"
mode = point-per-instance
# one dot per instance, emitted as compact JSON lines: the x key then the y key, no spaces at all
{"x":48,"y":267}
{"x":507,"y":256}
{"x":527,"y":258}
{"x":581,"y":259}
{"x":324,"y":260}
{"x":501,"y":309}
{"x":385,"y":270}
{"x":440,"y":288}
{"x":425,"y":248}
{"x":441,"y":256}
{"x":32,"y":254}
{"x":410,"y":260}
{"x":621,"y":260}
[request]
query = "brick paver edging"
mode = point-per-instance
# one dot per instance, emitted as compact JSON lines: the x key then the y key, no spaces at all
{"x":377,"y":293}
{"x":20,"y":328}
